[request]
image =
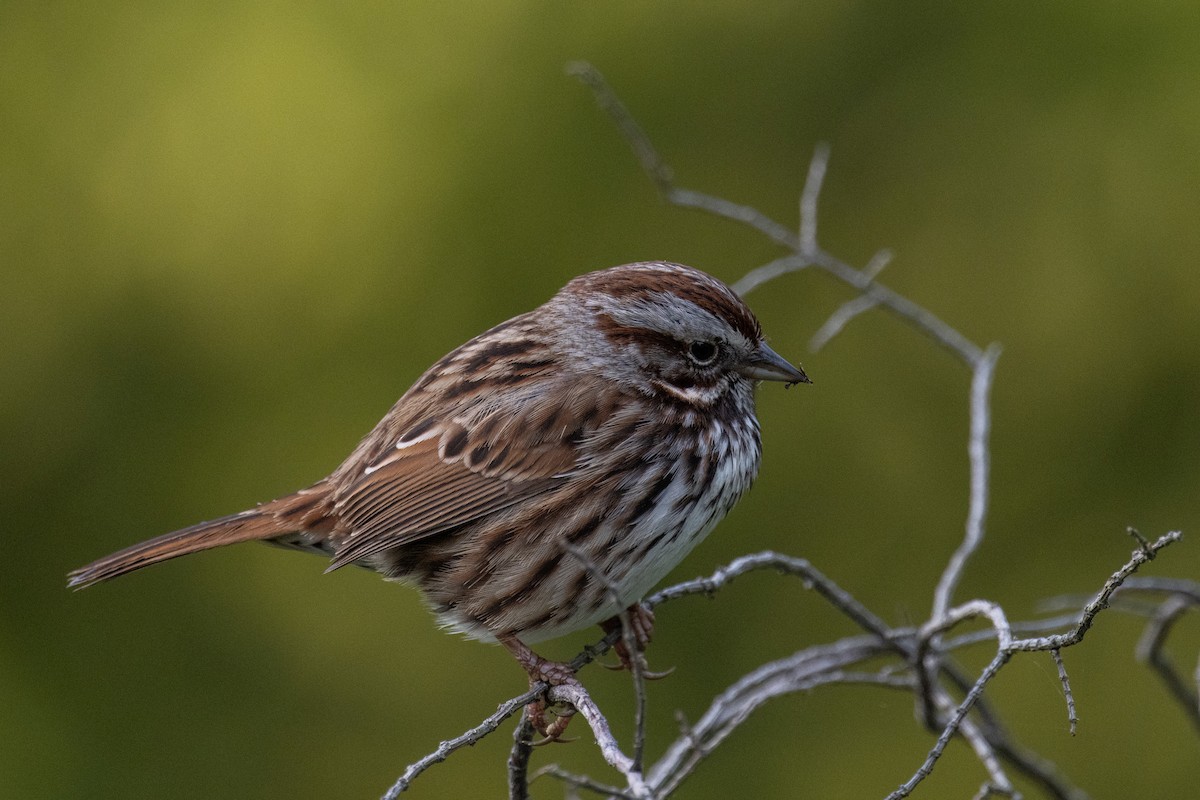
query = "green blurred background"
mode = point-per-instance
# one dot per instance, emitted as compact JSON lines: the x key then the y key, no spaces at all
{"x":231,"y":234}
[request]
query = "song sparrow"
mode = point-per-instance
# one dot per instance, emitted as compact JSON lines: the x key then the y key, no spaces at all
{"x":604,"y":434}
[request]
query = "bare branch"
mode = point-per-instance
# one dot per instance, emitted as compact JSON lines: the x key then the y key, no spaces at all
{"x":1150,"y":650}
{"x":581,"y":782}
{"x":999,"y":782}
{"x":853,"y":307}
{"x":817,"y":168}
{"x":656,"y":169}
{"x":1008,"y":647}
{"x":839,"y":319}
{"x":491,"y":723}
{"x":1179,"y":586}
{"x":629,"y":639}
{"x":807,"y":669}
{"x":607,"y":99}
{"x":952,"y":726}
{"x":444,"y":749}
{"x":978,"y":449}
{"x":1072,"y":717}
{"x":578,"y":697}
{"x":518,"y":759}
{"x":1100,"y":602}
{"x":788,"y":565}
{"x":769,"y":272}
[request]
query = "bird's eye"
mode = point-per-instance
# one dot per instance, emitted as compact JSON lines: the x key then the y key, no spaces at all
{"x":702,"y":352}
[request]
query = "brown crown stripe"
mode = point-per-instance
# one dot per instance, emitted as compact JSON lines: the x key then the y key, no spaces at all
{"x":702,"y":290}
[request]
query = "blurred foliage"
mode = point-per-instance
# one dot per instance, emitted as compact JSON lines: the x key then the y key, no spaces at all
{"x":231,"y":234}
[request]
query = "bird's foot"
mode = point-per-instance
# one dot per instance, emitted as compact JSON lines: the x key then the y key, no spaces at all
{"x":542,"y":670}
{"x":641,"y":624}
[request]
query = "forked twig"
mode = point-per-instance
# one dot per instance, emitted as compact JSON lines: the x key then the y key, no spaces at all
{"x":808,"y":253}
{"x":1009,"y":646}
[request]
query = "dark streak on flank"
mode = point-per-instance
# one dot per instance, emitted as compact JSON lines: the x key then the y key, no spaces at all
{"x":499,"y":542}
{"x":650,"y":499}
{"x":585,"y":529}
{"x":539,"y":620}
{"x":650,"y":544}
{"x":535,"y":580}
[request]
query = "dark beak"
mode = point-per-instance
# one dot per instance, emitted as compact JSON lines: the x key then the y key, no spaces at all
{"x":767,"y":365}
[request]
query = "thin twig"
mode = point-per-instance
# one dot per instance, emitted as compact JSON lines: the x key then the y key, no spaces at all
{"x":1141,"y":540}
{"x":926,"y":659}
{"x":518,"y":759}
{"x":952,"y":726}
{"x":470,"y":737}
{"x":1150,"y":650}
{"x":607,"y":99}
{"x":637,"y":664}
{"x":978,"y":450}
{"x":491,"y":723}
{"x":1072,"y":717}
{"x":657,"y":170}
{"x":1179,"y":586}
{"x":788,"y":565}
{"x":577,"y":696}
{"x":802,"y":671}
{"x":998,"y":780}
{"x":581,"y":782}
{"x":818,"y":165}
{"x":1100,"y":602}
{"x":1009,"y":647}
{"x":839,"y":319}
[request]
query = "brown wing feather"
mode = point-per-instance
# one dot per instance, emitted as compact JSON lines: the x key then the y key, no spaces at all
{"x":459,"y":472}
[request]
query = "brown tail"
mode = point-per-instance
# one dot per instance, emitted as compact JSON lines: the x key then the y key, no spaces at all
{"x":295,"y":512}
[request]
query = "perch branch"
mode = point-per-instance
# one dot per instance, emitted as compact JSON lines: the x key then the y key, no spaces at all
{"x":518,"y":759}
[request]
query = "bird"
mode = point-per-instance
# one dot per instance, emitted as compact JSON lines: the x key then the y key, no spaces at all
{"x":545,"y":475}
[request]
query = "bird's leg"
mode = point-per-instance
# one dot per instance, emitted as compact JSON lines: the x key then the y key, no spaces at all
{"x":641,"y":623}
{"x":541,"y":670}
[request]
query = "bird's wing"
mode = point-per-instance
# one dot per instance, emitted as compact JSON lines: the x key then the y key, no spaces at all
{"x":440,"y":474}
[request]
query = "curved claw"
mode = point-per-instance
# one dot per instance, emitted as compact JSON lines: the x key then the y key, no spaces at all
{"x":553,"y":740}
{"x":554,"y":731}
{"x":657,"y":676}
